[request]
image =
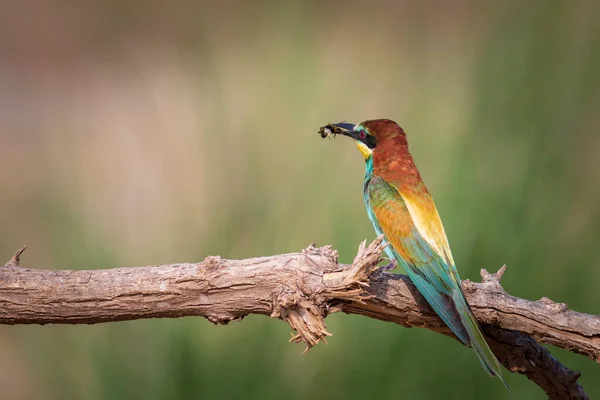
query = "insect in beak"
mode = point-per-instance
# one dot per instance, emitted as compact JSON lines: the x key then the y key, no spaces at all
{"x":336,"y":129}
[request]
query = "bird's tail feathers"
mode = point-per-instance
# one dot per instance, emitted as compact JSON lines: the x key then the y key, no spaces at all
{"x":477,"y":340}
{"x":452,"y":307}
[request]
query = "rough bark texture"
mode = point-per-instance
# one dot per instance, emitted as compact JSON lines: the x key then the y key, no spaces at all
{"x":302,"y":289}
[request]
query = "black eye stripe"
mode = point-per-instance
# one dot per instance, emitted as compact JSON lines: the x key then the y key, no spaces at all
{"x":370,"y":142}
{"x":367,"y":139}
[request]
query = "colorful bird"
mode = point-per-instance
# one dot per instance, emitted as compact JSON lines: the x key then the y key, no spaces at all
{"x":401,"y":208}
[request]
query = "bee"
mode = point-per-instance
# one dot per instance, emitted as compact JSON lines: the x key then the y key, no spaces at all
{"x":328,"y":131}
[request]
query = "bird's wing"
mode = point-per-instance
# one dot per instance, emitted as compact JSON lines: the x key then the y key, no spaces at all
{"x":412,"y":225}
{"x":423,"y":256}
{"x":428,"y":223}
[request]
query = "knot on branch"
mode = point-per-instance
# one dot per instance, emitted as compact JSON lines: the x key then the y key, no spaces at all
{"x":325,"y":251}
{"x":212,"y":262}
{"x":493,"y":278}
{"x":556,"y":307}
{"x":488,"y":281}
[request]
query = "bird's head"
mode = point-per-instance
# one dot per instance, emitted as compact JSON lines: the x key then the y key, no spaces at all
{"x":368,"y":135}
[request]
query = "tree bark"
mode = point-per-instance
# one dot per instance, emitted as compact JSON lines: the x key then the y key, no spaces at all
{"x":302,"y":289}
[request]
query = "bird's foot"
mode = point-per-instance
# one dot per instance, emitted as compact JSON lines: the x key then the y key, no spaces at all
{"x":389,"y":267}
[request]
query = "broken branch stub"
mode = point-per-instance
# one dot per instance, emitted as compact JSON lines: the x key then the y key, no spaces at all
{"x":306,"y":312}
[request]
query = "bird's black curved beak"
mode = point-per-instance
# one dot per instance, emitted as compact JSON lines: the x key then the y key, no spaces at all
{"x":345,"y":128}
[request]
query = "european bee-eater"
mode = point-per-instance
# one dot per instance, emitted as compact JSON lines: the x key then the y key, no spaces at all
{"x":401,"y":208}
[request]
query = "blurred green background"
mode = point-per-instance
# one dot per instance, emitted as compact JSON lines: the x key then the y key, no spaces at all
{"x":150,"y":132}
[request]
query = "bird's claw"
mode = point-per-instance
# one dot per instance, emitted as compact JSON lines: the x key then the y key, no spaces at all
{"x":389,"y":267}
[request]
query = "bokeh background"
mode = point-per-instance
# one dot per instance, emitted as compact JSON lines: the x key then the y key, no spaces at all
{"x":143,"y":132}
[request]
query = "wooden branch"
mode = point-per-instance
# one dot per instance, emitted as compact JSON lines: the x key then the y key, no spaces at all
{"x":302,"y":289}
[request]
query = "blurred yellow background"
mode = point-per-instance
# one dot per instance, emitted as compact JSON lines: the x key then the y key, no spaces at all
{"x":145,"y":132}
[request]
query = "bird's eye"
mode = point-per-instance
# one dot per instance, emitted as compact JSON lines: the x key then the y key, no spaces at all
{"x":362,"y":135}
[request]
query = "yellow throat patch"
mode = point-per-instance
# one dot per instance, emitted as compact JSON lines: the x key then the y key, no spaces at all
{"x":364,"y":149}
